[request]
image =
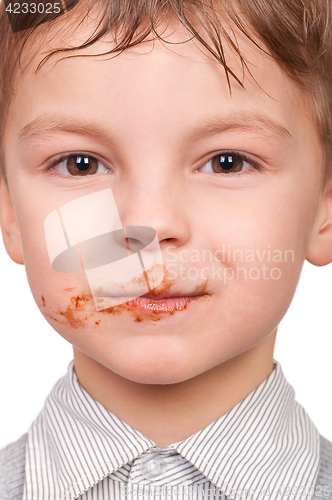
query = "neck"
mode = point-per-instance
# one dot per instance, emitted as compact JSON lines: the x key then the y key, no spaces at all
{"x":170,"y":413}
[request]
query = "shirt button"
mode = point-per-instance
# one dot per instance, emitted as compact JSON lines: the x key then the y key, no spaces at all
{"x":153,"y":466}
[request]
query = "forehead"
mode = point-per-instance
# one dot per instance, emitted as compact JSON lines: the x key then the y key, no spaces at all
{"x":154,"y":83}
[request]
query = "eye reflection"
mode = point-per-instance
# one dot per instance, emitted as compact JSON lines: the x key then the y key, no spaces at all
{"x":227,"y":162}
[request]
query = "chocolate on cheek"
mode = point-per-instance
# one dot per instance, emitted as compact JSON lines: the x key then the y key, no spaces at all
{"x":76,"y":316}
{"x":72,"y":316}
{"x":78,"y":311}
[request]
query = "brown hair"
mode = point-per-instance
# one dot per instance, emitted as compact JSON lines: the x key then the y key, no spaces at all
{"x":296,"y":33}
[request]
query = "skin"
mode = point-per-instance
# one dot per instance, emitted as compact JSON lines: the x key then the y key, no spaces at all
{"x":170,"y":375}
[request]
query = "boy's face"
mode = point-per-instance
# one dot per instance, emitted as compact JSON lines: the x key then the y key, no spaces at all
{"x":238,"y":239}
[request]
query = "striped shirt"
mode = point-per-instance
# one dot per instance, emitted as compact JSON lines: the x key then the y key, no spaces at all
{"x":265,"y":446}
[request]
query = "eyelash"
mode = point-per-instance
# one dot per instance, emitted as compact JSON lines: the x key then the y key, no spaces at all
{"x":253,"y":164}
{"x":66,"y":156}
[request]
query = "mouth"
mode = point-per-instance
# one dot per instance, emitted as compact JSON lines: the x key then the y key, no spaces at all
{"x":162,"y":304}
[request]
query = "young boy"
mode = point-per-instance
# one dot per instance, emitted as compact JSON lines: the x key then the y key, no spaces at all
{"x":196,"y":138}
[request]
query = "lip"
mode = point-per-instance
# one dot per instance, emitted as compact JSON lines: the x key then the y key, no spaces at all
{"x":165,"y":304}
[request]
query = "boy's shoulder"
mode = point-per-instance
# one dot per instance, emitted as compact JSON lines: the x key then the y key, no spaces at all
{"x":323,"y":487}
{"x":12,"y":470}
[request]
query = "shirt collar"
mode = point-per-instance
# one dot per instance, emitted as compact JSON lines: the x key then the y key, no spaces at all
{"x":266,"y":445}
{"x":268,"y":431}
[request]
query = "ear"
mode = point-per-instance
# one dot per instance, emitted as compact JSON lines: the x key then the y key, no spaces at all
{"x":320,"y":247}
{"x":9,"y":227}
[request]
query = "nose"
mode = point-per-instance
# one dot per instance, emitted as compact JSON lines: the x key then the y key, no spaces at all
{"x":155,"y":202}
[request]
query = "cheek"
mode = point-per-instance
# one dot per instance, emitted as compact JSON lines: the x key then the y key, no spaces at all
{"x":265,"y":225}
{"x":64,"y":300}
{"x":51,"y":290}
{"x":261,"y":245}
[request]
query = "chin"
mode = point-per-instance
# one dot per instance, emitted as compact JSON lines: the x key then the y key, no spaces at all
{"x":156,"y":373}
{"x":158,"y":378}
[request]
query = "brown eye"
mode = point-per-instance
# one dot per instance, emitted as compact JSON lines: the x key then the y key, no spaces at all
{"x":78,"y":165}
{"x":82,"y":165}
{"x":227,"y":162}
{"x":230,"y":162}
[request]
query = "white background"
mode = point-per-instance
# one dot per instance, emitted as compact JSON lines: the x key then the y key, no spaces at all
{"x":33,"y":356}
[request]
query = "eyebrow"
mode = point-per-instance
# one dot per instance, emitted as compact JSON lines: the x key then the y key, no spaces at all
{"x":237,"y":120}
{"x":49,"y":124}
